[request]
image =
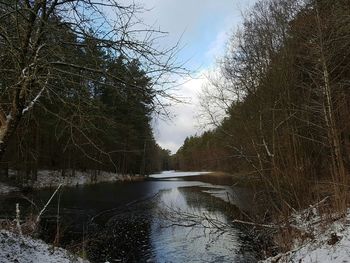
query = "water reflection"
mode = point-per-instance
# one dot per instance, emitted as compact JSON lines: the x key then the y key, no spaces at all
{"x":186,"y":233}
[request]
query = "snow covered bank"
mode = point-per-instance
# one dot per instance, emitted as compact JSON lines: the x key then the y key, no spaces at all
{"x":15,"y":248}
{"x":47,"y":178}
{"x":330,"y":244}
{"x":5,"y":189}
{"x":51,"y":178}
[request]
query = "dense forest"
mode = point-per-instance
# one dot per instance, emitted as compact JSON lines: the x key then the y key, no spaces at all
{"x":78,"y":93}
{"x":280,"y":103}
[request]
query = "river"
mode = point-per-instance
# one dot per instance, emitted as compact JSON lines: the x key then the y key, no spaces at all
{"x":171,"y":217}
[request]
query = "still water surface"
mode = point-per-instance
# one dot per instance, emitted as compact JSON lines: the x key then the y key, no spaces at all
{"x":172,"y":217}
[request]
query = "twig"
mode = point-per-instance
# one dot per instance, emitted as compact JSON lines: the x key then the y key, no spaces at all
{"x":48,"y":202}
{"x":18,"y":223}
{"x":255,"y":224}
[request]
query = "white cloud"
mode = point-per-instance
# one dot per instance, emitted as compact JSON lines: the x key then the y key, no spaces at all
{"x":171,"y":134}
{"x":217,"y":47}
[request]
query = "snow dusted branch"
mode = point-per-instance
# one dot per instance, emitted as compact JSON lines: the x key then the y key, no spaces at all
{"x":48,"y":202}
{"x":37,"y":97}
{"x":31,"y":104}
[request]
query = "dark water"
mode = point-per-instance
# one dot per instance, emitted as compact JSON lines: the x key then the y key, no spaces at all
{"x":183,"y":219}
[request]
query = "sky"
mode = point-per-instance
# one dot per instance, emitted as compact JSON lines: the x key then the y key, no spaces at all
{"x":203,"y":26}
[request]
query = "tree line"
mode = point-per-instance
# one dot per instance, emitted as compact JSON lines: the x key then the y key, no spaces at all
{"x":280,"y":103}
{"x":80,"y":82}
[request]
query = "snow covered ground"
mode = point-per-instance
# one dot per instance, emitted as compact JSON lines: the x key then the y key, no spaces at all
{"x":51,"y":178}
{"x":47,"y":178}
{"x":327,"y":245}
{"x":15,"y":248}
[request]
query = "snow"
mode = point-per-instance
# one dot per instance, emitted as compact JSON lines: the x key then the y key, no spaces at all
{"x":16,"y":248}
{"x":48,"y":178}
{"x":171,"y":174}
{"x":5,"y":189}
{"x":52,"y":178}
{"x":331,"y":244}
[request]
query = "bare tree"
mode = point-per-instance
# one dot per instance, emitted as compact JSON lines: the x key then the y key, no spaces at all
{"x":39,"y":45}
{"x":328,"y":49}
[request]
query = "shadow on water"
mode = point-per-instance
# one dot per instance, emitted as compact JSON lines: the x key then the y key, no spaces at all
{"x":158,"y":220}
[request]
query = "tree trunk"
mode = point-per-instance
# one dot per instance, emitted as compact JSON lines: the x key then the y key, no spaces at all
{"x":7,"y":129}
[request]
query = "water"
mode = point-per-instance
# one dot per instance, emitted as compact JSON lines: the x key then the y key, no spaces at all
{"x":163,"y":219}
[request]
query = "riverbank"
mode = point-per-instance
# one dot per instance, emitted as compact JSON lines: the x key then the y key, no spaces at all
{"x":47,"y":178}
{"x":24,"y":249}
{"x":322,"y":239}
{"x":51,"y":179}
{"x":6,"y":189}
{"x":315,"y":236}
